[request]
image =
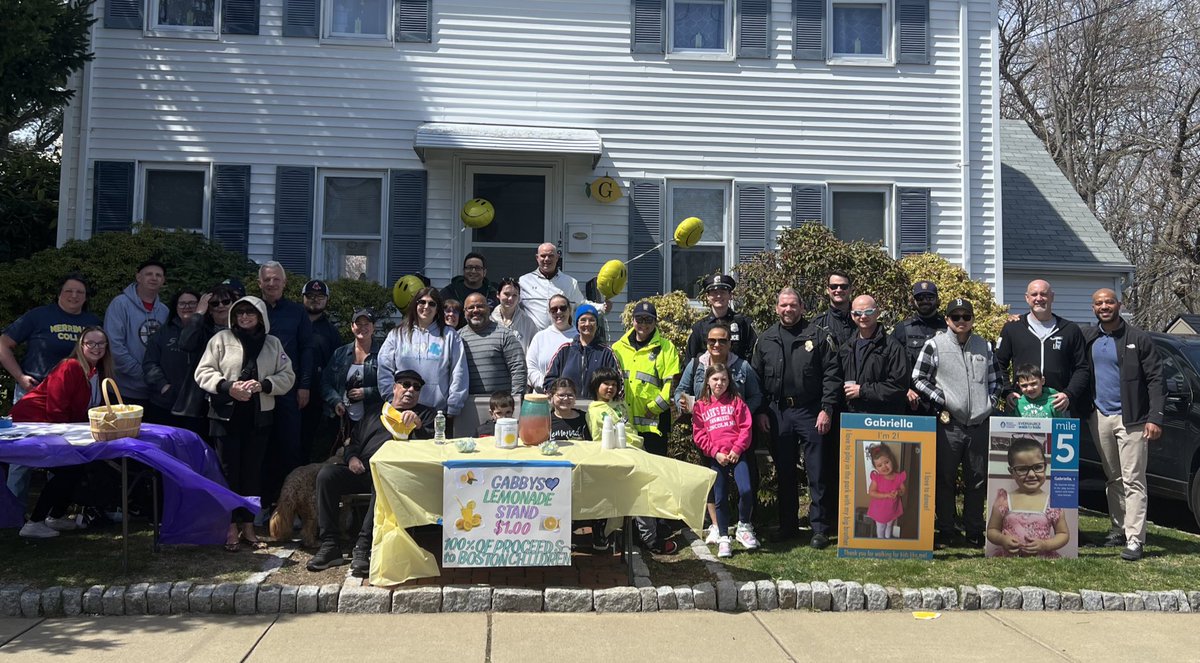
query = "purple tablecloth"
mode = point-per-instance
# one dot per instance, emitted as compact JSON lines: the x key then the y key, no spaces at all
{"x":196,"y":503}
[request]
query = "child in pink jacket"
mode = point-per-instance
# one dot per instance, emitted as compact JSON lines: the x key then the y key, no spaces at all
{"x":721,"y":428}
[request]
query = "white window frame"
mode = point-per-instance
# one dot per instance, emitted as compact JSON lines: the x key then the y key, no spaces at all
{"x":320,"y":236}
{"x":671,"y":219}
{"x":891,"y":242}
{"x":701,"y":53}
{"x":467,"y":165}
{"x":153,"y":29}
{"x":886,"y":30}
{"x":328,"y":36}
{"x":140,"y":185}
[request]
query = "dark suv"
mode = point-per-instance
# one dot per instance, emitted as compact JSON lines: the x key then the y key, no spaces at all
{"x":1173,"y":468}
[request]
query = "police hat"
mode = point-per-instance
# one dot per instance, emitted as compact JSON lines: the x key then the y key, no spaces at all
{"x":719,"y":282}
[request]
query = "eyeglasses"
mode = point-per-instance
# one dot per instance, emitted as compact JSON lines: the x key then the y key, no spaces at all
{"x":566,"y":396}
{"x":838,"y":286}
{"x":183,"y":304}
{"x":559,"y":309}
{"x":94,"y":345}
{"x":718,"y":341}
{"x":221,"y":302}
{"x":426,"y":302}
{"x":409,"y":384}
{"x":472,"y":268}
{"x":1022,"y":470}
{"x":964,"y":317}
{"x":864,"y":312}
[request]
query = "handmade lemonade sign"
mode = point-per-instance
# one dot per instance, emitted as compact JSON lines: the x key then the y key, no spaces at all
{"x":1033,"y":488}
{"x":886,"y":488}
{"x":506,"y":513}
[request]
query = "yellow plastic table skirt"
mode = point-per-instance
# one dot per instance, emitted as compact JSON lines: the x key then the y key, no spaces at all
{"x":605,"y":484}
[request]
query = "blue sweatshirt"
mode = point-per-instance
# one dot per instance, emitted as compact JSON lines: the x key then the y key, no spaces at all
{"x":129,"y":326}
{"x":437,"y":354}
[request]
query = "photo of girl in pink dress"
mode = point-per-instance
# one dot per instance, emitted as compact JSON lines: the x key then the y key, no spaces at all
{"x":1023,"y":524}
{"x":886,"y":491}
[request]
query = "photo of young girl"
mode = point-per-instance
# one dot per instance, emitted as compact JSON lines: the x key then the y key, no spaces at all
{"x":1021,"y":522}
{"x":887,"y":490}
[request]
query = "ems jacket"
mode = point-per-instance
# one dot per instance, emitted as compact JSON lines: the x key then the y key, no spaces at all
{"x":1142,"y":387}
{"x":882,"y":374}
{"x":1063,"y":358}
{"x":812,"y":356}
{"x":649,"y":371}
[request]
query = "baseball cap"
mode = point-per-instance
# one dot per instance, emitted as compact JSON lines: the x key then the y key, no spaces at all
{"x":645,"y":308}
{"x":960,"y":304}
{"x":315,"y":287}
{"x":363,"y":313}
{"x":925,"y":288}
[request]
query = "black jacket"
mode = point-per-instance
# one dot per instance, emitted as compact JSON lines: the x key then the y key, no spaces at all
{"x":370,"y":435}
{"x":913,"y":332}
{"x":333,"y":378}
{"x":812,"y":355}
{"x":1143,"y":393}
{"x":326,"y":340}
{"x":883,"y":374}
{"x":741,"y":331}
{"x":171,"y":359}
{"x":1062,"y":358}
{"x":838,"y":323}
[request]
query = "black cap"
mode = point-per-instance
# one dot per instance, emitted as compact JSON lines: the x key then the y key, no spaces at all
{"x":719,"y":282}
{"x":236,"y":285}
{"x":363,"y":313}
{"x":408,"y":374}
{"x":645,"y":308}
{"x":925,"y":288}
{"x":960,"y":304}
{"x":315,"y":287}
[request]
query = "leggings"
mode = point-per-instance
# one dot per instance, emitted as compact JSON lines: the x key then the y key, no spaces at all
{"x":884,"y":530}
{"x":242,"y":452}
{"x":738,"y":474}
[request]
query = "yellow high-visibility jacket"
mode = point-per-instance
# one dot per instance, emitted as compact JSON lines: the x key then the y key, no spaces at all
{"x":649,"y":372}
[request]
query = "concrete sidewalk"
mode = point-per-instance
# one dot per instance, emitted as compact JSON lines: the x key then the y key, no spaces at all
{"x":605,"y":638}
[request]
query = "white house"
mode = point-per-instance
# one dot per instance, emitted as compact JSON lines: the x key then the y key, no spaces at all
{"x":342,"y":137}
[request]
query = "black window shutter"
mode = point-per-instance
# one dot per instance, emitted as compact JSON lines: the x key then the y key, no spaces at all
{"x":914,"y":220}
{"x":912,"y":31}
{"x":412,"y":20}
{"x":239,"y":17}
{"x":294,"y":189}
{"x":646,"y":212}
{"x":754,"y":28}
{"x":648,"y":32}
{"x":406,"y":223}
{"x":231,"y":207}
{"x":808,"y":204}
{"x":123,"y":14}
{"x":808,"y":29}
{"x":301,"y":18}
{"x":112,"y":196}
{"x":751,"y":219}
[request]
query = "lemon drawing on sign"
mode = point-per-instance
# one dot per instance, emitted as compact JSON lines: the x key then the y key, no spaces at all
{"x":689,"y":231}
{"x":477,"y":213}
{"x":405,"y":289}
{"x":550,"y":524}
{"x":468,"y":478}
{"x":470,"y":520}
{"x":611,"y":278}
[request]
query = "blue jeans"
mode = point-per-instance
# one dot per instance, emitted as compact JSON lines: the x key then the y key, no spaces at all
{"x":19,"y":475}
{"x":739,"y":474}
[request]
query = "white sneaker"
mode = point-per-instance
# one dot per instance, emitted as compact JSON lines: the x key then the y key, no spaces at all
{"x":724,"y":547}
{"x":38,"y":530}
{"x":745,"y":536}
{"x":713,"y":536}
{"x":65,"y":524}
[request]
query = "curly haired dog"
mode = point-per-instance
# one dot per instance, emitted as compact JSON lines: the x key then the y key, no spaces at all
{"x":298,"y":497}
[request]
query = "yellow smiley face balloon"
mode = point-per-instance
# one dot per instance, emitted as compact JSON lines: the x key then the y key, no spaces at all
{"x":405,"y":289}
{"x":477,"y":213}
{"x":688,"y":232}
{"x":610,"y":281}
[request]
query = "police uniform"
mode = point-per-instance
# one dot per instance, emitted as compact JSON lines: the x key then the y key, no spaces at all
{"x":741,"y":330}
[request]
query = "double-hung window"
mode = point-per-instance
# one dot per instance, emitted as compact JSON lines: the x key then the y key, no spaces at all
{"x":181,"y":17}
{"x":861,"y":213}
{"x":351,"y":205}
{"x":700,"y":27}
{"x":175,"y":196}
{"x":709,"y":201}
{"x":859,"y":30}
{"x":368,"y":20}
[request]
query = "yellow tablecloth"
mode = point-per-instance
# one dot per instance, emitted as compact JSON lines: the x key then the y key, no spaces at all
{"x":606,"y":484}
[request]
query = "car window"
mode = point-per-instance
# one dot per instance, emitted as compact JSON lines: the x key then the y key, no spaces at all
{"x":1175,"y":381}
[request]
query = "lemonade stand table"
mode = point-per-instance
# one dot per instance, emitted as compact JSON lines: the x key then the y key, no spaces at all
{"x":605,"y":484}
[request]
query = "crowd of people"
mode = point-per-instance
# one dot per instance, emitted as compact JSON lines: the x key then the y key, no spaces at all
{"x":268,"y":382}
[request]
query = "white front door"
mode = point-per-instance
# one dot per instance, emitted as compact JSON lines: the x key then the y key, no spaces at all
{"x":524,"y":202}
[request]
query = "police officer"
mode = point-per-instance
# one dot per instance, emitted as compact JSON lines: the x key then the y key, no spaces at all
{"x":316,"y":429}
{"x":913,"y":332}
{"x":839,"y":289}
{"x":718,"y":288}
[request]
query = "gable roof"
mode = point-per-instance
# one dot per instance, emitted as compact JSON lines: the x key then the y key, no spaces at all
{"x":1044,"y":218}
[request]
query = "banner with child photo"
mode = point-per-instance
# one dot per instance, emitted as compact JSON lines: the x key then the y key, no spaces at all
{"x":1033,"y":488}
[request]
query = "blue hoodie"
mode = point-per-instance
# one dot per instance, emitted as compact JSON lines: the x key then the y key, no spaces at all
{"x":129,"y":326}
{"x":438,"y":355}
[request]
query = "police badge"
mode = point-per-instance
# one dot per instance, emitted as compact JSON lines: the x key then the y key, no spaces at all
{"x":808,"y":346}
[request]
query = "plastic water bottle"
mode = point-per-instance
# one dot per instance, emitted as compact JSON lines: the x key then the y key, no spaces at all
{"x":619,"y":434}
{"x":439,"y":428}
{"x":608,"y":434}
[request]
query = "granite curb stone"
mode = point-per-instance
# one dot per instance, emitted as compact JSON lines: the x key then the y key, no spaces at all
{"x":570,"y":599}
{"x":245,"y":600}
{"x":308,"y":599}
{"x":420,"y":599}
{"x":158,"y":599}
{"x":327,"y":598}
{"x":623,"y":599}
{"x":685,"y":598}
{"x":787,"y":594}
{"x":113,"y":601}
{"x":179,"y":597}
{"x":364,"y":600}
{"x":72,"y":601}
{"x":876,"y":596}
{"x":52,"y":601}
{"x":666,"y":598}
{"x":517,"y":599}
{"x":970,"y":597}
{"x":200,"y":598}
{"x":31,"y":603}
{"x":768,"y":595}
{"x":822,"y":598}
{"x":269,"y":599}
{"x":704,"y":596}
{"x":135,"y":598}
{"x":649,"y":598}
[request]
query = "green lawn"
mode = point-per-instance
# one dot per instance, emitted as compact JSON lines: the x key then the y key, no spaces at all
{"x":1170,"y":563}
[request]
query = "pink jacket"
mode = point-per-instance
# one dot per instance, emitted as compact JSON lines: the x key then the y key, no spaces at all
{"x":721,"y":425}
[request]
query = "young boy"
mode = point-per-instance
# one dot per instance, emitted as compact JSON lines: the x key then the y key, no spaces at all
{"x":500,"y":406}
{"x":1034,"y":401}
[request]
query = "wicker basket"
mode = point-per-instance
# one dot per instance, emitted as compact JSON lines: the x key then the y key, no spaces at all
{"x":111,"y":422}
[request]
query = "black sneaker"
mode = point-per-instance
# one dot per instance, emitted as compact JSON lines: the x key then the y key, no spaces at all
{"x":328,"y":555}
{"x":1115,"y":539}
{"x":1132,"y":552}
{"x":819,"y":541}
{"x":360,"y":558}
{"x":974,"y":540}
{"x":668,"y":547}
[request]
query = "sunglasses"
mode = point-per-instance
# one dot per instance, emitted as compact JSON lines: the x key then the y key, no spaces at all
{"x":864,"y":313}
{"x":925,"y":298}
{"x":1022,"y":470}
{"x":718,"y":341}
{"x":409,"y":384}
{"x":956,"y":317}
{"x":221,"y":302}
{"x":643,"y":320}
{"x":559,"y":309}
{"x":426,"y":302}
{"x":183,"y":304}
{"x":838,"y":286}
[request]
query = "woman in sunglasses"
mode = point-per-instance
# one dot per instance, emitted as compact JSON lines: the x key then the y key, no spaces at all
{"x":168,"y":368}
{"x":424,"y":343}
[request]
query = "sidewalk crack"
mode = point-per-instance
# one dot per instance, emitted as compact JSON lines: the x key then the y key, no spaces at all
{"x":1003,"y":622}
{"x":774,"y":639}
{"x":260,"y":638}
{"x":35,"y":623}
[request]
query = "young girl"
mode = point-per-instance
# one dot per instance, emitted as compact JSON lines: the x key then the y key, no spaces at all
{"x":608,"y":385}
{"x":721,"y":428}
{"x":886,"y":491}
{"x":566,"y":422}
{"x":1024,"y":525}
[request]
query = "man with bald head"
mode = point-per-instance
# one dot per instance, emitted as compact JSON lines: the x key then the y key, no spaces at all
{"x":538,"y":286}
{"x":1129,"y":396}
{"x":1053,"y":344}
{"x":495,"y":359}
{"x":873,"y":363}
